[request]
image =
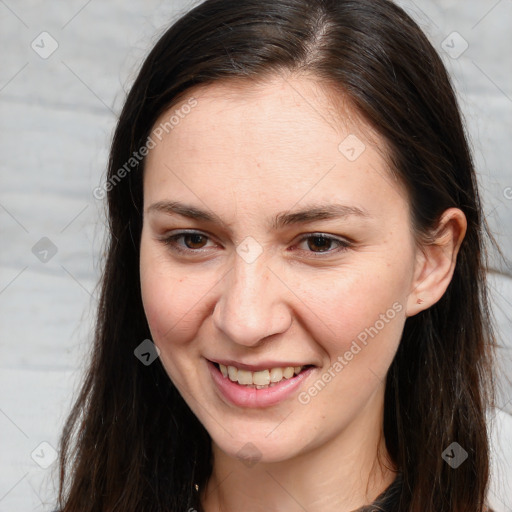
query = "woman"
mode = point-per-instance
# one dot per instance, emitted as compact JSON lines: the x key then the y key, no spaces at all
{"x":293,"y":312}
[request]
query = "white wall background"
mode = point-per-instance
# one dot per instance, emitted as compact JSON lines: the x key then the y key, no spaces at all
{"x":56,"y":119}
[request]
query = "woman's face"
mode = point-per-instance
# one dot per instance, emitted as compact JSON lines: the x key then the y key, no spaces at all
{"x":277,"y":243}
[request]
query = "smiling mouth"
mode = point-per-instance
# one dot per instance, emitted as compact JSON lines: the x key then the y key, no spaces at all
{"x":260,"y":379}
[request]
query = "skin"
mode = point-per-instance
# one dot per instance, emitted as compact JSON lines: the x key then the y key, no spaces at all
{"x":299,"y":300}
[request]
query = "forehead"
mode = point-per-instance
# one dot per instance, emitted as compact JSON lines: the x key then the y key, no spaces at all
{"x":292,"y":106}
{"x":284,"y":136}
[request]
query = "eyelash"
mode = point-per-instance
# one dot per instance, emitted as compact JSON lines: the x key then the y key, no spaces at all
{"x":171,"y":241}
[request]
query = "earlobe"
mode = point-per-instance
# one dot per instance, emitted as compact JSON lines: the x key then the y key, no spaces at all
{"x":435,"y":262}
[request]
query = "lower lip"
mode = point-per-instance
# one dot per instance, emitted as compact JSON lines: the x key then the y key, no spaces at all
{"x":243,"y":396}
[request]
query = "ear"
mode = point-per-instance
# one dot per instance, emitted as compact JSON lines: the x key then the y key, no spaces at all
{"x":435,"y":262}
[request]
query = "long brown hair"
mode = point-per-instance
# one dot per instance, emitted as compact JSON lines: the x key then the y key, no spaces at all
{"x":131,"y":443}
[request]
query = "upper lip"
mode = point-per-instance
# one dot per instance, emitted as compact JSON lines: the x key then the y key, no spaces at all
{"x":264,"y":365}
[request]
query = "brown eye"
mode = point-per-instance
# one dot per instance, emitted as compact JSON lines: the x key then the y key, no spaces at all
{"x":194,"y":240}
{"x":319,"y":243}
{"x":187,"y":242}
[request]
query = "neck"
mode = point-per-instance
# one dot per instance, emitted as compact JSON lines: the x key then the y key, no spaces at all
{"x":346,"y":473}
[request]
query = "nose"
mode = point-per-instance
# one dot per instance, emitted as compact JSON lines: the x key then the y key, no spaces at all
{"x":252,"y":304}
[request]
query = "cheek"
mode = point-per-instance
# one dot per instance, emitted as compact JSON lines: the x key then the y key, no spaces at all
{"x":363,"y":304}
{"x":168,"y":296}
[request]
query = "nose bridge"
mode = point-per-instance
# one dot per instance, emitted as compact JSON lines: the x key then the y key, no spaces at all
{"x":252,"y":303}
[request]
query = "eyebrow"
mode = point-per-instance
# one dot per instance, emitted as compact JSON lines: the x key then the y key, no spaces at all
{"x":307,"y":215}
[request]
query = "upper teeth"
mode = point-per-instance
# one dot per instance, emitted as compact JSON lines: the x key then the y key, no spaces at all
{"x":259,"y":379}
